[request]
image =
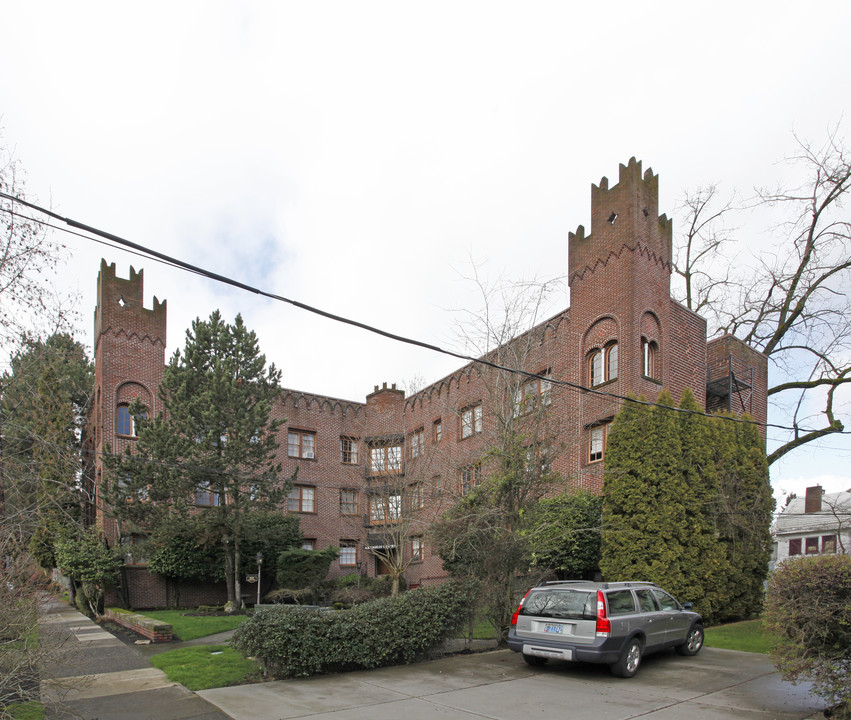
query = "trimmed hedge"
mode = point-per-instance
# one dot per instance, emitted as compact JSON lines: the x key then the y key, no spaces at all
{"x":295,"y":642}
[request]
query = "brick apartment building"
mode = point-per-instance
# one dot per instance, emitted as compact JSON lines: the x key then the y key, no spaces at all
{"x":365,"y":467}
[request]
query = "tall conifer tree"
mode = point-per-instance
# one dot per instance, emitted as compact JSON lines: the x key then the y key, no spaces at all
{"x":215,"y":446}
{"x":744,"y":515}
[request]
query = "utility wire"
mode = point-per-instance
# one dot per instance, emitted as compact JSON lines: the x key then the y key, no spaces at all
{"x":144,"y":251}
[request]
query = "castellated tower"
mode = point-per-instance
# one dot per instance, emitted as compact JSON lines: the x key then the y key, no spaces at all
{"x":129,"y":350}
{"x":623,"y":322}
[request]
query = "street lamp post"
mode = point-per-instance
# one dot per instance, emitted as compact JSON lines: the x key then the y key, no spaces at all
{"x":259,"y":563}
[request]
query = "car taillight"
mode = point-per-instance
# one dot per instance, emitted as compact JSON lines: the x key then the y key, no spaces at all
{"x":519,"y":607}
{"x":604,"y":626}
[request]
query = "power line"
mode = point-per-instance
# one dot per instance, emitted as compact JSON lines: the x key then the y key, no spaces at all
{"x":143,"y":251}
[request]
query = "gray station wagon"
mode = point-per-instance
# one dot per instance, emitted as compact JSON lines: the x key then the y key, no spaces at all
{"x":614,"y":623}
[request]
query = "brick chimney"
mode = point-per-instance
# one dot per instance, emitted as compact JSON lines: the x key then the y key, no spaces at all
{"x":812,"y":504}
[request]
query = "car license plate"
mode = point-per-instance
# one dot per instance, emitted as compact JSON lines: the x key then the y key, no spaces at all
{"x":551,"y":628}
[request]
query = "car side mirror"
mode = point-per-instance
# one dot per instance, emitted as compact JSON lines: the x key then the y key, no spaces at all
{"x":688,"y":606}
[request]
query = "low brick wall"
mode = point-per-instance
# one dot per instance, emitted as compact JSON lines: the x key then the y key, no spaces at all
{"x":154,"y":630}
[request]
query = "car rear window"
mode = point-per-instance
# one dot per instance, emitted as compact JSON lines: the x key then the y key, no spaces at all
{"x":574,"y":604}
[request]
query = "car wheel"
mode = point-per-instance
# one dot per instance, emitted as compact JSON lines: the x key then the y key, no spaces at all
{"x":629,"y":661}
{"x":534,"y":660}
{"x":694,"y":641}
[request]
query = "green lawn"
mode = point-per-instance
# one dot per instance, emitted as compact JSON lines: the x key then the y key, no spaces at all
{"x":207,"y":666}
{"x":27,"y":711}
{"x":748,"y":635}
{"x":189,"y":627}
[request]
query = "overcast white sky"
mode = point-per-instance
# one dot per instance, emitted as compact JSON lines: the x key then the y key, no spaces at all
{"x":355,"y":155}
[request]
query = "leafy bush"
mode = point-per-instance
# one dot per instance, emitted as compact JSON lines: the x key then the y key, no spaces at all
{"x":298,"y":568}
{"x":808,"y":609}
{"x":296,"y":642}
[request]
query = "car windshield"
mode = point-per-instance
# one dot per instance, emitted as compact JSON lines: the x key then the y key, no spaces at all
{"x":575,"y":604}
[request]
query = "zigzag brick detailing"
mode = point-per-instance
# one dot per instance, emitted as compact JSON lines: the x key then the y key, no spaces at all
{"x":372,"y":475}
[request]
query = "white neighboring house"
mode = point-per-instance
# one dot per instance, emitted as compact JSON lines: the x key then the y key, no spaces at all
{"x":812,"y":525}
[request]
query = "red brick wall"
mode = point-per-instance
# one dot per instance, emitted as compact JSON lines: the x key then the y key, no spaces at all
{"x":619,"y":277}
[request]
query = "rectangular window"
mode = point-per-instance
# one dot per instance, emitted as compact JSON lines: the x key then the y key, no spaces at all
{"x":301,"y":499}
{"x":470,"y":477}
{"x":596,"y":443}
{"x":307,"y":544}
{"x":301,"y":444}
{"x":437,"y":430}
{"x":348,"y":451}
{"x":416,"y":495}
{"x":471,"y":421}
{"x":828,"y":543}
{"x":348,"y":502}
{"x":386,"y":459}
{"x":532,"y":393}
{"x":417,"y":548}
{"x":348,"y":553}
{"x":417,"y":443}
{"x":537,"y":459}
{"x":131,"y":555}
{"x":811,"y":546}
{"x":385,"y":509}
{"x":795,"y":547}
{"x":203,"y":495}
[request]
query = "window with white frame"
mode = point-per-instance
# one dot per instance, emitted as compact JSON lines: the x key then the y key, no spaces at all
{"x":301,"y":444}
{"x":471,"y":421}
{"x":437,"y":430}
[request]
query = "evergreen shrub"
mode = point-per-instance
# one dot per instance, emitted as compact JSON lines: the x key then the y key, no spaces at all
{"x":808,"y":608}
{"x":296,"y":642}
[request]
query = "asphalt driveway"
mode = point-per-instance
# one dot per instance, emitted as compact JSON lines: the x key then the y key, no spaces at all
{"x":715,"y":685}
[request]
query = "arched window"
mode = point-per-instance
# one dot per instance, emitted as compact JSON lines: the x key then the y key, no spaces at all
{"x":124,"y":423}
{"x":595,"y":367}
{"x":603,"y":364}
{"x":649,"y":358}
{"x":612,"y":361}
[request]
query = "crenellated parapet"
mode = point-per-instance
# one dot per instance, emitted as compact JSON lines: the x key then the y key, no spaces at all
{"x":624,"y":217}
{"x":120,"y":308}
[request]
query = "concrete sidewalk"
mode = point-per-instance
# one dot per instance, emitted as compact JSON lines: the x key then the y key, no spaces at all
{"x":98,"y":676}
